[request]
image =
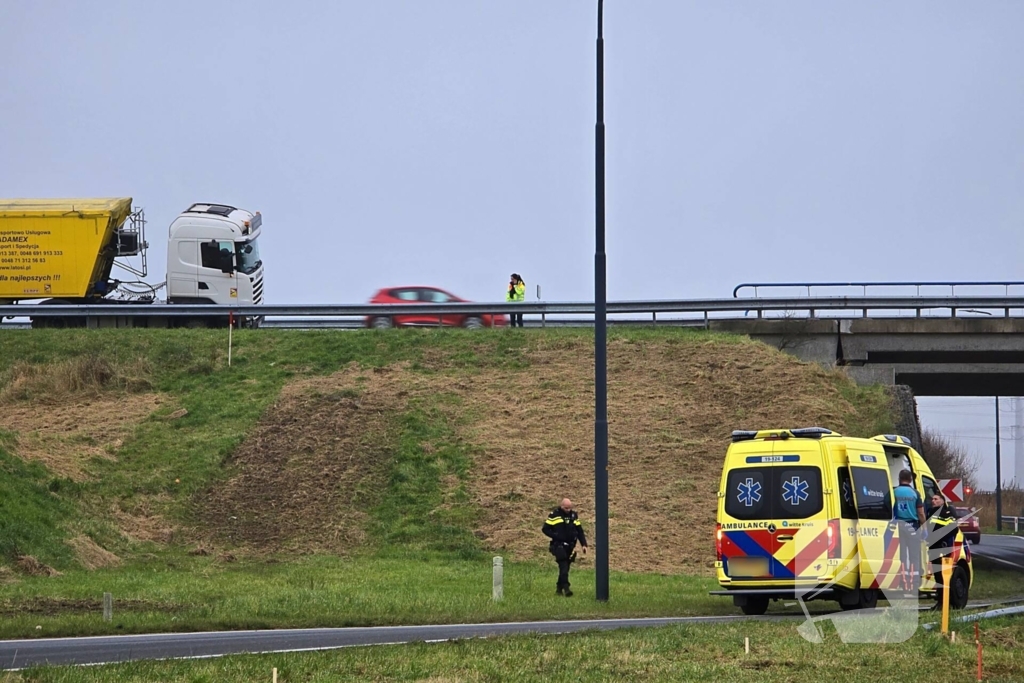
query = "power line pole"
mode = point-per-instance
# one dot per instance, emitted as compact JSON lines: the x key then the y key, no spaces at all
{"x":1018,"y":441}
{"x":600,"y":337}
{"x":999,"y":476}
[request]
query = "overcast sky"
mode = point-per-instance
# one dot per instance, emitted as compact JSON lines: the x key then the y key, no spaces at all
{"x":451,"y":142}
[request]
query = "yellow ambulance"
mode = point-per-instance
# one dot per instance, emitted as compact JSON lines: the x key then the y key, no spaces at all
{"x":808,"y":513}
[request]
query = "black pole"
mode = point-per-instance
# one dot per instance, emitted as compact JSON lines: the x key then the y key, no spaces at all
{"x":600,"y":338}
{"x":999,"y":476}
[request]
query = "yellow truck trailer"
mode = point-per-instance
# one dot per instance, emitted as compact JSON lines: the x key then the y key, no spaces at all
{"x":64,"y":251}
{"x":62,"y":248}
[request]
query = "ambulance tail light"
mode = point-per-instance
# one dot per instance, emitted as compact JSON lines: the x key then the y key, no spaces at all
{"x":832,"y":533}
{"x":718,"y":542}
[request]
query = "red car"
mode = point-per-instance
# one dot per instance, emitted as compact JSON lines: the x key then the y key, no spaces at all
{"x":969,"y":526}
{"x":427,"y":295}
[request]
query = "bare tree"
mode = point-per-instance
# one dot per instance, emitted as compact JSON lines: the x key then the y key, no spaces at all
{"x":948,"y":458}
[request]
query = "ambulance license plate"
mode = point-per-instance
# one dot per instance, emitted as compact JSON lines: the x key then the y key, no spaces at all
{"x":748,"y":566}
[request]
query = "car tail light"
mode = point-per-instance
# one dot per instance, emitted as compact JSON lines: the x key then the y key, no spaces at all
{"x":718,"y":542}
{"x":833,"y":539}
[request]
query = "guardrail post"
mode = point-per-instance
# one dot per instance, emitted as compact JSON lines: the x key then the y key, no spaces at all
{"x":707,"y":325}
{"x":543,"y":319}
{"x":654,"y":318}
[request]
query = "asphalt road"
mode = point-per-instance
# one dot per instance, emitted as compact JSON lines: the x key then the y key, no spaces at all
{"x":18,"y":654}
{"x":1005,"y":551}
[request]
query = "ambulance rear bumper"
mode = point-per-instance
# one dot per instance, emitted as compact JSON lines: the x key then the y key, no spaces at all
{"x":820,"y":592}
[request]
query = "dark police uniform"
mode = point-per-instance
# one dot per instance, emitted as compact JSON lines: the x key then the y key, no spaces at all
{"x":564,"y":529}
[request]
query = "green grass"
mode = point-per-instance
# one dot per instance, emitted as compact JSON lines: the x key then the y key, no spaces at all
{"x":166,"y":463}
{"x":183,"y":593}
{"x":203,"y":593}
{"x":674,"y":653}
{"x":873,"y":405}
{"x":416,"y":510}
{"x":423,"y":563}
{"x":33,"y":511}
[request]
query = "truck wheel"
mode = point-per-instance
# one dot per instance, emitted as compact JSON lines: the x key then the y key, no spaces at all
{"x":755,"y":604}
{"x":381,"y":323}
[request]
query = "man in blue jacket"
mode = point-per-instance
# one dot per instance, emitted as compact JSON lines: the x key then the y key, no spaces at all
{"x":908,"y":512}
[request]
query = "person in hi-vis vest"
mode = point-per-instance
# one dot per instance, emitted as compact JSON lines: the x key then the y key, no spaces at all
{"x":516,"y":292}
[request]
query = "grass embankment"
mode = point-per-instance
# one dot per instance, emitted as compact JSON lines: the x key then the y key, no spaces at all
{"x":378,"y":471}
{"x":675,"y":653}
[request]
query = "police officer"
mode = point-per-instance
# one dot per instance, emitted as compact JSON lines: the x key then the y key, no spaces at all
{"x":564,"y":529}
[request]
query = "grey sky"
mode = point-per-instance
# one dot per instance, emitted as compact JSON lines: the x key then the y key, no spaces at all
{"x":451,"y":142}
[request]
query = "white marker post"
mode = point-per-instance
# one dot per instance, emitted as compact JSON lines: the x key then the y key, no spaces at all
{"x":108,"y":607}
{"x":231,"y":327}
{"x":497,"y":580}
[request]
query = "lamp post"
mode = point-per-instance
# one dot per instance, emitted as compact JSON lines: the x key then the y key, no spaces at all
{"x":600,"y":337}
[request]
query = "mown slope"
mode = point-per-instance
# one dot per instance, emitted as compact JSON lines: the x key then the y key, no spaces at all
{"x":444,"y":441}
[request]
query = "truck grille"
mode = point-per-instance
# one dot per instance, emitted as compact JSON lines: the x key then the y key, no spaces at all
{"x":257,"y":290}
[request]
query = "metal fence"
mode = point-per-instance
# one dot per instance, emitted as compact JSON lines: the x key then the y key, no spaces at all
{"x":656,"y":312}
{"x":989,"y":287}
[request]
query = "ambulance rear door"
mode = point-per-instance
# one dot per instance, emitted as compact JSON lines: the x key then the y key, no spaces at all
{"x":877,"y":535}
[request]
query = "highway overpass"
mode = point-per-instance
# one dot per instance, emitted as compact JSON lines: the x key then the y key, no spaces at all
{"x":972,"y":356}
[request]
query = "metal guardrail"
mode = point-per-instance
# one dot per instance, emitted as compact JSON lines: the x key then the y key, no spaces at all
{"x":666,"y":310}
{"x":1017,"y":522}
{"x":1005,"y":284}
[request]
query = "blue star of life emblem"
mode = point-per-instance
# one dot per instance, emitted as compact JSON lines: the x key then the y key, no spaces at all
{"x":794,"y":491}
{"x":749,"y":492}
{"x":847,"y":494}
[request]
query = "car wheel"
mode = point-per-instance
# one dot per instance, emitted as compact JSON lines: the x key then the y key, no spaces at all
{"x":867,"y":598}
{"x":381,"y":323}
{"x":473,"y":323}
{"x":976,"y":540}
{"x":755,"y":605}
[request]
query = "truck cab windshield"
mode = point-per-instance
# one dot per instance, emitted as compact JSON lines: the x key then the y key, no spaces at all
{"x":248,"y":256}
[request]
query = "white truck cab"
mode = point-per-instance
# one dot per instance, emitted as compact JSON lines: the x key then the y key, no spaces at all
{"x":213,"y":256}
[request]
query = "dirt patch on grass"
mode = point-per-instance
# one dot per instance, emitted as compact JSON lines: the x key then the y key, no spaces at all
{"x":91,"y":555}
{"x":671,"y":409}
{"x":142,"y":521}
{"x":66,"y":436}
{"x":33,"y":567}
{"x":82,"y":376}
{"x":304,"y":476}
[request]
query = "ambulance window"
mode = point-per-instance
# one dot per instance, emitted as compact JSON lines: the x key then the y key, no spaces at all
{"x":872,"y":493}
{"x":798,"y":491}
{"x":930,"y":488}
{"x":747,"y":493}
{"x":847,"y":510}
